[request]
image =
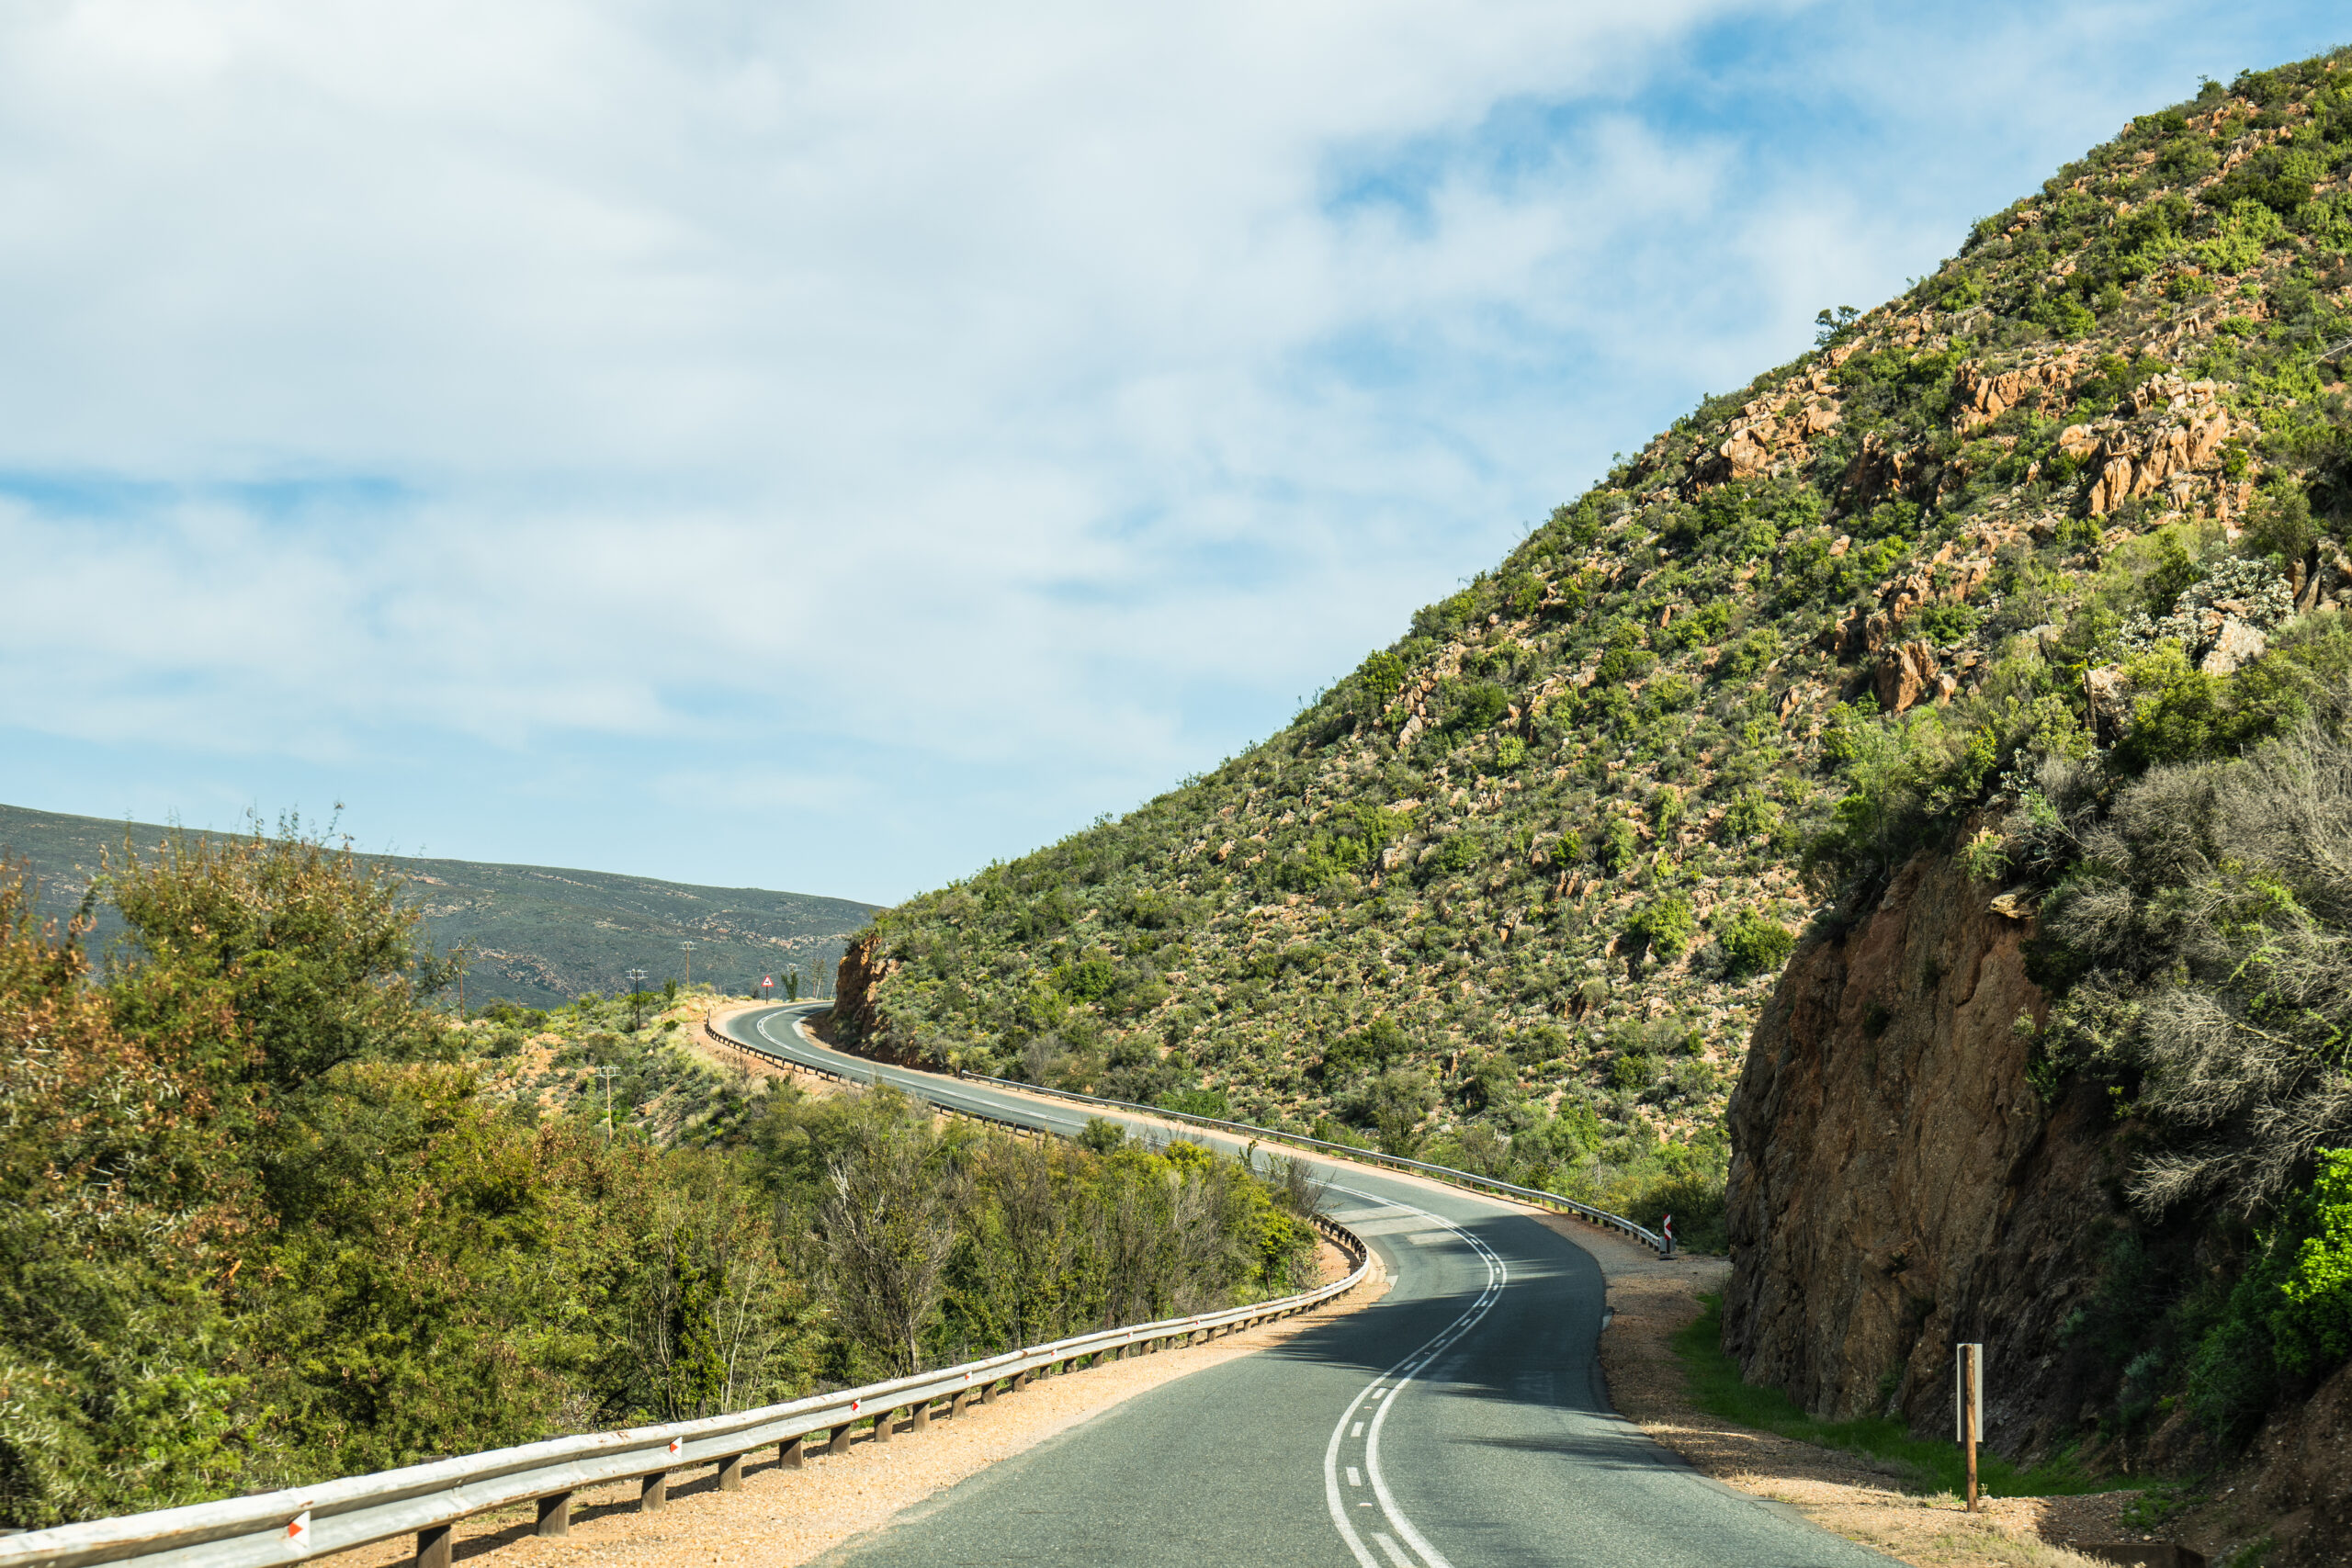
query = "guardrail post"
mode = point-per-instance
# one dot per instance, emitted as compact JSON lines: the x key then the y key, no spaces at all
{"x":654,"y":1492}
{"x":432,"y":1546}
{"x":882,"y":1421}
{"x":839,"y":1444}
{"x":955,"y":1404}
{"x":922,"y":1416}
{"x":1020,"y":1379}
{"x":787,"y":1455}
{"x":730,"y":1473}
{"x":987,"y":1391}
{"x":555,"y":1514}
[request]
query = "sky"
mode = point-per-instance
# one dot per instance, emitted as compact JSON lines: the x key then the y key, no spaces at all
{"x":833,"y":446}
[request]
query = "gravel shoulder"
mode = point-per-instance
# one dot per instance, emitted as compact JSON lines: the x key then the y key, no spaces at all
{"x":1845,"y":1494}
{"x":785,"y":1518}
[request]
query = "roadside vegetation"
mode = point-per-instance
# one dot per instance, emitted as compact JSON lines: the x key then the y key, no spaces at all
{"x":268,"y":1215}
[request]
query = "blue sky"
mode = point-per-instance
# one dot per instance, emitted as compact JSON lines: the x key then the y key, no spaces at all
{"x":830,"y":448}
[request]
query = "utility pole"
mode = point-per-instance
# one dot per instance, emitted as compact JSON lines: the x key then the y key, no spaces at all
{"x":608,"y":1073}
{"x":636,"y":999}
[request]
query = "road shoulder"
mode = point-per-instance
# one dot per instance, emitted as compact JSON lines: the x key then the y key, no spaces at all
{"x":1650,"y":1299}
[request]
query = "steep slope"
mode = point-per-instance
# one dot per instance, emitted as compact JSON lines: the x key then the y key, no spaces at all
{"x":1517,"y":885}
{"x":534,"y":934}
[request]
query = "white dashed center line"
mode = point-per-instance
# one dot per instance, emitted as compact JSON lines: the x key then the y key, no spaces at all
{"x":1427,"y":1556}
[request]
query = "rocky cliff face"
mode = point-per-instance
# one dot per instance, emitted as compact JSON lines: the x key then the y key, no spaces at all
{"x":1898,"y":1184}
{"x":855,"y":1021}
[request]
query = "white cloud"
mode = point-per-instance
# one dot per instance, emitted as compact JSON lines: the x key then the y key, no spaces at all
{"x":930,"y":405}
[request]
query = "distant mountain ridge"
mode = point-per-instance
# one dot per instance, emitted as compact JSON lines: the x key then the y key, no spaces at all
{"x":539,"y":935}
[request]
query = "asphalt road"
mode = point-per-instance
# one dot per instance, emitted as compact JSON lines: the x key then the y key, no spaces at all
{"x":1458,"y":1421}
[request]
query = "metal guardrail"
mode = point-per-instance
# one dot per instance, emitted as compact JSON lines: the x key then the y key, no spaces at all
{"x":744,"y":1047}
{"x":300,"y":1523}
{"x":1471,"y":1180}
{"x":1663,"y":1245}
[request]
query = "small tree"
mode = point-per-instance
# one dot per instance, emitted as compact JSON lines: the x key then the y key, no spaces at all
{"x":889,"y":1220}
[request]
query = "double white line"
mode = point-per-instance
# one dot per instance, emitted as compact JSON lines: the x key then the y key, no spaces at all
{"x":1385,"y":1389}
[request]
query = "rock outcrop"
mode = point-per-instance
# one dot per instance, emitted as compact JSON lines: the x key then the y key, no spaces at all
{"x":1898,"y":1184}
{"x":1908,"y":674}
{"x":857,"y":1022}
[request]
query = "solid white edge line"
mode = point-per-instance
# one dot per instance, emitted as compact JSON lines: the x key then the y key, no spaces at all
{"x":1394,"y":1556}
{"x":1397,"y":1377}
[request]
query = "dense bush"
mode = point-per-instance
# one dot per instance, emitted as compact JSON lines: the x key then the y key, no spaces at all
{"x":265,"y":1217}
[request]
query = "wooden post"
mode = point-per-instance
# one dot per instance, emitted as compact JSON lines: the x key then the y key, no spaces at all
{"x":882,"y":1422}
{"x":730,"y":1473}
{"x":922,"y":1416}
{"x":654,"y":1492}
{"x":432,"y":1547}
{"x":555,"y":1514}
{"x":840,"y":1445}
{"x":787,"y":1455}
{"x":1972,"y":1405}
{"x":988,"y":1392}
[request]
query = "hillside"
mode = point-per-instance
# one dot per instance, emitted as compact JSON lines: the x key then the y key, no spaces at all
{"x":1515,"y":889}
{"x":538,"y":935}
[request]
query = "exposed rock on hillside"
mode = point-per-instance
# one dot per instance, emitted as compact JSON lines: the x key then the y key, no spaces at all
{"x":1898,"y":1185}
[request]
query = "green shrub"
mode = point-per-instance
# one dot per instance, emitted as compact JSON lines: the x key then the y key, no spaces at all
{"x":2314,"y":1328}
{"x":1632,"y":1072}
{"x":1665,"y":925}
{"x":1619,"y":846}
{"x":1475,"y":705}
{"x":1382,"y":676}
{"x":1752,"y":814}
{"x":1754,"y":945}
{"x":1369,"y":1049}
{"x":2244,"y":234}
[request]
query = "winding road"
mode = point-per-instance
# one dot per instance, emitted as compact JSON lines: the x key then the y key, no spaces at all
{"x":1457,"y":1423}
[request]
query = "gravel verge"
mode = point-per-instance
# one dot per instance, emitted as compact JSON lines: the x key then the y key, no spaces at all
{"x":783,"y":1517}
{"x":1845,"y":1494}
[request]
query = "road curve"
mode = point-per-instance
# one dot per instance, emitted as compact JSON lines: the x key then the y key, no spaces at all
{"x":1459,"y":1422}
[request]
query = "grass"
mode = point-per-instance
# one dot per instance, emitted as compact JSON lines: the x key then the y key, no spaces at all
{"x":1715,"y":1387}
